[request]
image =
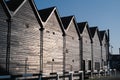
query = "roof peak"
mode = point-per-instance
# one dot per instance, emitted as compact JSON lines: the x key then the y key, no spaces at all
{"x":45,"y":13}
{"x":13,"y":4}
{"x":66,"y":21}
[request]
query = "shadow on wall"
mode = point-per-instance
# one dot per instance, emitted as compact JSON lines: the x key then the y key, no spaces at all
{"x":3,"y":71}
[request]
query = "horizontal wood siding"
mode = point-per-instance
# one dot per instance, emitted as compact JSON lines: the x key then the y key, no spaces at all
{"x":96,"y":51}
{"x":72,"y":49}
{"x":25,"y":44}
{"x":25,"y":41}
{"x":86,"y":47}
{"x":104,"y":51}
{"x":52,"y":46}
{"x":3,"y":37}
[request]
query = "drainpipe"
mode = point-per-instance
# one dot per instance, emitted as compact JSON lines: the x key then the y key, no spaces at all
{"x":101,"y":57}
{"x":64,"y":54}
{"x":81,"y":52}
{"x":8,"y":45}
{"x":92,"y":60}
{"x":108,"y":53}
{"x":41,"y":52}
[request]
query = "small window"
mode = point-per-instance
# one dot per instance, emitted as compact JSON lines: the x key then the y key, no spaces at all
{"x":72,"y":38}
{"x":66,"y":50}
{"x":27,"y":25}
{"x":53,"y":33}
{"x":47,"y":31}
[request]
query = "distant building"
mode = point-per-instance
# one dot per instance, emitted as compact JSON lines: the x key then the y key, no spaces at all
{"x":115,"y":61}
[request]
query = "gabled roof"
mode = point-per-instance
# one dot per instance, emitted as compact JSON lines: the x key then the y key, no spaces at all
{"x":14,"y":4}
{"x":6,"y":9}
{"x":81,"y":27}
{"x":66,"y":21}
{"x":93,"y":30}
{"x":45,"y":13}
{"x":102,"y":34}
{"x":5,"y":5}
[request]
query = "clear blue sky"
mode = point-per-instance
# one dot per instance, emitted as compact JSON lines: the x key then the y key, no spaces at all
{"x":102,"y":13}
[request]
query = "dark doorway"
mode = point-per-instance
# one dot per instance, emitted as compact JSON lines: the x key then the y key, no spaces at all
{"x":83,"y":65}
{"x":89,"y":65}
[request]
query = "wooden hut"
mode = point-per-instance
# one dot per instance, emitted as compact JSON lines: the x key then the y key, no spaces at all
{"x":104,"y":40}
{"x":53,"y":34}
{"x":22,"y":42}
{"x":72,"y":55}
{"x":86,"y":45}
{"x":96,"y":48}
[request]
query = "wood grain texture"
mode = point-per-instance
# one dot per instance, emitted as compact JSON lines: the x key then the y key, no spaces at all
{"x":25,"y":41}
{"x":3,"y":37}
{"x":52,"y":46}
{"x":72,"y":49}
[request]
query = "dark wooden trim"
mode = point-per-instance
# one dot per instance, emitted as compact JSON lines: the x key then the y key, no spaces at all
{"x":8,"y":45}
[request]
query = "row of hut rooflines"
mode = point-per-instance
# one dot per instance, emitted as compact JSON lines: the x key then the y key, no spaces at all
{"x":45,"y":18}
{"x":45,"y":14}
{"x":65,"y":23}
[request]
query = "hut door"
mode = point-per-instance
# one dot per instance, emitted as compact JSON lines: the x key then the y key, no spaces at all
{"x":89,"y":64}
{"x":83,"y":65}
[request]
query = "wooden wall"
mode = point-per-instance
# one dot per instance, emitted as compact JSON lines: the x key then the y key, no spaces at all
{"x":3,"y":37}
{"x":96,"y":52}
{"x":72,"y":49}
{"x":104,"y":51}
{"x":25,"y":41}
{"x":25,"y":44}
{"x":52,"y":46}
{"x":86,"y":47}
